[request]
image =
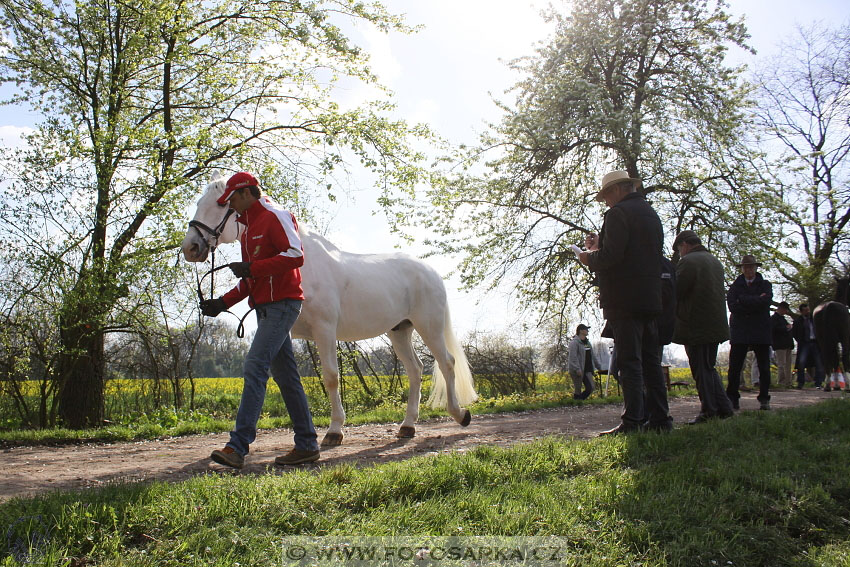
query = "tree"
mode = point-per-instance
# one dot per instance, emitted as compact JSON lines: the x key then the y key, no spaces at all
{"x":501,"y":368}
{"x":140,"y":100}
{"x":804,"y":106}
{"x":634,"y":84}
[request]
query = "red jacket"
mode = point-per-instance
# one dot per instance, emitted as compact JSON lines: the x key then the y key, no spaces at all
{"x":272,"y":245}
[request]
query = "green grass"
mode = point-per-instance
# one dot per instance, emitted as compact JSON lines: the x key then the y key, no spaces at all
{"x":198,"y":422}
{"x":767,"y":488}
{"x":217,"y":416}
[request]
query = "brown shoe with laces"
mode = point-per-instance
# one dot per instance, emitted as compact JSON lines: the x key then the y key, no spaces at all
{"x":228,"y":457}
{"x":297,"y":457}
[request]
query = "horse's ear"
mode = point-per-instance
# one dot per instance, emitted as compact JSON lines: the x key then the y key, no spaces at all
{"x":216,"y":175}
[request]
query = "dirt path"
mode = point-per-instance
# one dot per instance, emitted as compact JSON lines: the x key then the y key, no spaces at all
{"x":33,"y":470}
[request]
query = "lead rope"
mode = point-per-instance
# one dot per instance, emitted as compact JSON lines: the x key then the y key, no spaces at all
{"x":240,"y":329}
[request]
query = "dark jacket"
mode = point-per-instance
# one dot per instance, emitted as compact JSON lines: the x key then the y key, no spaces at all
{"x":782,"y":339}
{"x":667,"y":319}
{"x":628,"y":261}
{"x":799,"y":330}
{"x":700,"y":299}
{"x":749,"y":308}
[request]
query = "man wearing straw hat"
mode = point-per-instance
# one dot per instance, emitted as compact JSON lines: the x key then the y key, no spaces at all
{"x":749,"y":298}
{"x":626,"y":257}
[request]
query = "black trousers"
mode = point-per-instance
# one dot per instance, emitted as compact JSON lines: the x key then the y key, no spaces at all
{"x":639,"y":363}
{"x":737,"y":356}
{"x":712,"y":397}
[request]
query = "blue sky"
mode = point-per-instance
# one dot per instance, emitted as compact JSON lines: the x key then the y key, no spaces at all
{"x":444,"y":75}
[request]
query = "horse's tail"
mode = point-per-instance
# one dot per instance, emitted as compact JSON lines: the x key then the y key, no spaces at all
{"x":464,"y":386}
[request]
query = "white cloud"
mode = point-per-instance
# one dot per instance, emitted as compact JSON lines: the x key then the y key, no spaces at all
{"x":11,"y":136}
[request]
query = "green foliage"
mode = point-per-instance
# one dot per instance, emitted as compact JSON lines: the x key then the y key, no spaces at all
{"x":639,"y":85}
{"x":760,"y":489}
{"x":140,"y":102}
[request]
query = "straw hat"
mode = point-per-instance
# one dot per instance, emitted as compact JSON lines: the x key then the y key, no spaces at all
{"x":613,"y":178}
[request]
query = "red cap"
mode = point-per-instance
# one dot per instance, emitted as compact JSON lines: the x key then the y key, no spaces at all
{"x":237,"y":181}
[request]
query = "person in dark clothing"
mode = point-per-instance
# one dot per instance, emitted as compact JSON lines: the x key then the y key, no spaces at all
{"x":808,"y":352}
{"x":749,"y":298}
{"x":701,"y":321}
{"x":626,"y":257}
{"x":783,"y":343}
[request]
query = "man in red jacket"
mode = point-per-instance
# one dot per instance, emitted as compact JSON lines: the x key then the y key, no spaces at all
{"x":271,"y":280}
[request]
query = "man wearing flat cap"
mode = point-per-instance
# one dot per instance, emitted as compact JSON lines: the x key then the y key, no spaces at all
{"x":783,"y":342}
{"x":626,"y":257}
{"x":701,"y":323}
{"x":749,"y":298}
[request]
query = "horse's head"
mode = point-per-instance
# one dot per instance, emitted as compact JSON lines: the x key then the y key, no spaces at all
{"x":211,"y":224}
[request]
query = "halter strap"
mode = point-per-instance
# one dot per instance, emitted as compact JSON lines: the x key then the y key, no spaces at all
{"x":216,"y":233}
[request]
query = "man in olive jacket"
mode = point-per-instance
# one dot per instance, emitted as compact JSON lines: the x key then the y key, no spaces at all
{"x":701,"y":321}
{"x":626,"y":257}
{"x":749,"y":298}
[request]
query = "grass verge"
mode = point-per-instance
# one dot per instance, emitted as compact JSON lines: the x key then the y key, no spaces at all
{"x":766,"y":488}
{"x":171,"y":423}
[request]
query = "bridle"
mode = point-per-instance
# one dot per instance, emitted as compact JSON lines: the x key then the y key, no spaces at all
{"x":215,"y":233}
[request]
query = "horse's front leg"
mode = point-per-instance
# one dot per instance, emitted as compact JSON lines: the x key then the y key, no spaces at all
{"x":402,"y":341}
{"x":330,"y":377}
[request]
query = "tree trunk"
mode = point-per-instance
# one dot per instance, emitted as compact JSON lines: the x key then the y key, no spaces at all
{"x":81,"y":400}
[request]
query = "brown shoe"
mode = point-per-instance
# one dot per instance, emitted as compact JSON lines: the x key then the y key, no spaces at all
{"x":228,"y":457}
{"x":297,"y":457}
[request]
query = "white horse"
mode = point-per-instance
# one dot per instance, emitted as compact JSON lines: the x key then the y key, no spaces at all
{"x":351,"y":297}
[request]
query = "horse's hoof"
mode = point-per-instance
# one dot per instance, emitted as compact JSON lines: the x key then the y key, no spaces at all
{"x":466,"y":419}
{"x":332,"y":439}
{"x":406,"y":432}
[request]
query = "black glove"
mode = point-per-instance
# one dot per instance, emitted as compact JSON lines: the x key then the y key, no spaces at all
{"x":240,"y":269}
{"x":212,"y":307}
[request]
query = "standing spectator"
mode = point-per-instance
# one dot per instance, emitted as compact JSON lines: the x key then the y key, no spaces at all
{"x":701,"y":323}
{"x":808,"y":352}
{"x":749,"y":299}
{"x":581,"y":363}
{"x":783,"y":343}
{"x":626,"y":257}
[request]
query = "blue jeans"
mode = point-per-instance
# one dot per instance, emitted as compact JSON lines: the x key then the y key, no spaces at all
{"x":808,"y":356}
{"x":272,"y":349}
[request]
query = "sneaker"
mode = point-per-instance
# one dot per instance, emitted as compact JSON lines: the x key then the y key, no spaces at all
{"x":297,"y":457}
{"x":228,"y":457}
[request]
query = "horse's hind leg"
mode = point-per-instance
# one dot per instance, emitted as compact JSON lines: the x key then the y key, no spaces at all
{"x":330,"y":377}
{"x":402,"y":341}
{"x":433,"y":337}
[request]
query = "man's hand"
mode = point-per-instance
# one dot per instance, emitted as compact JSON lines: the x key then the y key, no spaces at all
{"x":591,"y":242}
{"x":240,"y":269}
{"x":212,"y":307}
{"x":583,"y":256}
